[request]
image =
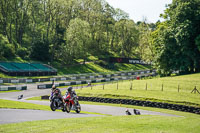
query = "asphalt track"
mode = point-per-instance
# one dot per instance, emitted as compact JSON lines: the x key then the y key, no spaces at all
{"x":21,"y":115}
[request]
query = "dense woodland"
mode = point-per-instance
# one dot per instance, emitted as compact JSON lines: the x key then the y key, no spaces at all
{"x":65,"y":30}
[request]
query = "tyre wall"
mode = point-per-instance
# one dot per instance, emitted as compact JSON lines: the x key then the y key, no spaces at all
{"x":176,"y":107}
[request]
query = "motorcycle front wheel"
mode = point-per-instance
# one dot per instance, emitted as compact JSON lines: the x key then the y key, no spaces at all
{"x":68,"y":108}
{"x":53,"y":108}
{"x":78,"y":108}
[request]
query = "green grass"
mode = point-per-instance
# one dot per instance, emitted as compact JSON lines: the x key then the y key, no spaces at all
{"x":22,"y":105}
{"x":154,"y":91}
{"x":95,"y":68}
{"x":36,"y":98}
{"x":9,"y":91}
{"x":2,"y":75}
{"x":124,"y":67}
{"x":110,"y":124}
{"x":90,"y":67}
{"x":187,"y":123}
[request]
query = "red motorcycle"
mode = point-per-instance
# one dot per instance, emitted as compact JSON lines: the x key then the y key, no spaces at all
{"x":71,"y":103}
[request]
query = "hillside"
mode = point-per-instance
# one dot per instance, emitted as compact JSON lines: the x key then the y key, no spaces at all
{"x":92,"y":66}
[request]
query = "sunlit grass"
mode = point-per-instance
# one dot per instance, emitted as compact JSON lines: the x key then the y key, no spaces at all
{"x":9,"y":91}
{"x":170,"y":89}
{"x":22,"y":105}
{"x":112,"y":124}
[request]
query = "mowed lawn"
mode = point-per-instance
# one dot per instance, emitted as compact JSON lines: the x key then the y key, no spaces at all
{"x":186,"y":123}
{"x":175,"y":89}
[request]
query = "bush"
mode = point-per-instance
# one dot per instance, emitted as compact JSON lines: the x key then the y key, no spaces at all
{"x":40,"y":51}
{"x":7,"y":50}
{"x":23,"y":52}
{"x":102,"y":63}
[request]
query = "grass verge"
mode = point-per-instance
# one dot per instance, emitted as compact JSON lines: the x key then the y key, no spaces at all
{"x":22,"y":105}
{"x":175,"y":90}
{"x":112,"y":124}
{"x":9,"y":91}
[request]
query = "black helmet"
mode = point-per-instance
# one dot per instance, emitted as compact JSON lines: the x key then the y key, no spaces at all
{"x":69,"y":89}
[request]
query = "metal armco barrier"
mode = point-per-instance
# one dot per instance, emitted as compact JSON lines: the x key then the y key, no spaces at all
{"x":46,"y":86}
{"x":7,"y":88}
{"x":81,"y":77}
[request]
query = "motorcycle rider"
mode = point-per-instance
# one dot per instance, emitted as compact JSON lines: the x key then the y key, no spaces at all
{"x":69,"y":91}
{"x":72,"y":94}
{"x":54,"y":89}
{"x":72,"y":100}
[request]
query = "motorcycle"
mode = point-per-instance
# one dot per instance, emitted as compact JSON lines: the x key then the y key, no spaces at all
{"x":56,"y":102}
{"x":71,"y":103}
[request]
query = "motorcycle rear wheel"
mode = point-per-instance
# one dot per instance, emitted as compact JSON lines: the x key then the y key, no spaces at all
{"x":64,"y":108}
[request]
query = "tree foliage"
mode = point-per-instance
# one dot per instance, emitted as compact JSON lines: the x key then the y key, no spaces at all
{"x":126,"y":37}
{"x":65,"y":30}
{"x":6,"y":49}
{"x":177,"y":39}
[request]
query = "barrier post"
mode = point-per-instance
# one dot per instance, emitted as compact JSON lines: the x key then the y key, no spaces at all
{"x":131,"y":86}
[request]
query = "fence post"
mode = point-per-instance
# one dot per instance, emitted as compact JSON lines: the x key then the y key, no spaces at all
{"x":146,"y":87}
{"x":178,"y":87}
{"x":195,"y":90}
{"x":162,"y":87}
{"x":117,"y":85}
{"x":131,"y":85}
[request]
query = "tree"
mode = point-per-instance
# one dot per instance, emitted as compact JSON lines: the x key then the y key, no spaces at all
{"x":175,"y":41}
{"x":78,"y":38}
{"x":40,"y":51}
{"x":47,"y":27}
{"x":127,"y":37}
{"x":6,"y":49}
{"x":145,"y":48}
